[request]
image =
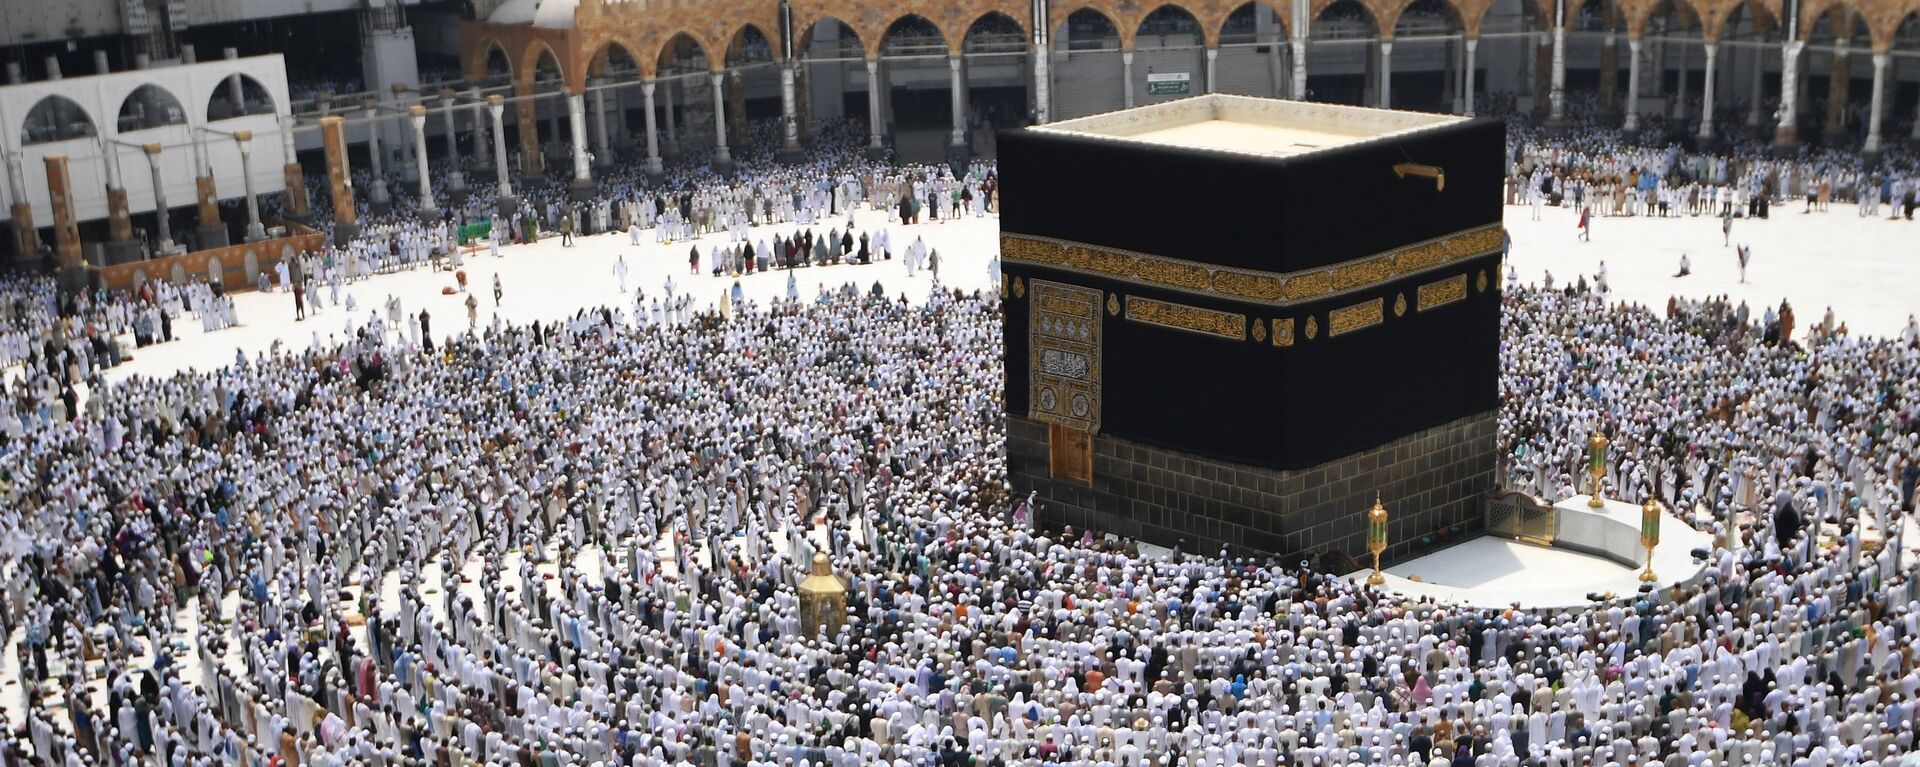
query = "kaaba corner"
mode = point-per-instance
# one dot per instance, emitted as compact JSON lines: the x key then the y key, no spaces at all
{"x":1232,"y":322}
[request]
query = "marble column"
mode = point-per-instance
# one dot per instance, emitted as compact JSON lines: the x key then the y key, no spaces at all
{"x":582,"y":186}
{"x":1042,"y":89}
{"x":1386,"y":74}
{"x":1759,"y":72}
{"x":1126,"y":76}
{"x":602,"y":157}
{"x":1915,"y":137}
{"x":1839,"y":82}
{"x":1610,"y":74}
{"x":1473,"y":59}
{"x":482,"y":137}
{"x":66,"y":228}
{"x":722,"y":158}
{"x":532,"y":163}
{"x":496,"y":107}
{"x":26,"y":238}
{"x":789,"y":122}
{"x":211,"y":233}
{"x":653,"y":135}
{"x":1706,"y":93}
{"x":957,"y":92}
{"x":427,"y":209}
{"x":333,"y":138}
{"x":1299,"y":65}
{"x":1787,"y":133}
{"x":874,"y":125}
{"x":120,"y":245}
{"x":1213,"y":82}
{"x":666,"y":113}
{"x":1632,"y":122}
{"x":165,"y":227}
{"x":1557,"y":96}
{"x":298,"y":208}
{"x":255,"y":232}
{"x":1880,"y":60}
{"x":456,"y":179}
{"x":377,"y":196}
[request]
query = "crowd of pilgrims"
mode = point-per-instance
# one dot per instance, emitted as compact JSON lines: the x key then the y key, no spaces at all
{"x":690,"y":201}
{"x":1593,"y":167}
{"x":579,"y":543}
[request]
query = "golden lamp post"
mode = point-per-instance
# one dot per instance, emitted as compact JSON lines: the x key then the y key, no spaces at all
{"x":1377,"y":539}
{"x":1649,"y":536}
{"x":1597,"y":467}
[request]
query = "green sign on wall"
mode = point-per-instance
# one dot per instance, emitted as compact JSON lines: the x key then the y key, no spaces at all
{"x":1169,"y":84}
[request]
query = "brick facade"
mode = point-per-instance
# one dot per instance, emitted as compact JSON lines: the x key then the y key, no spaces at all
{"x":1430,"y":480}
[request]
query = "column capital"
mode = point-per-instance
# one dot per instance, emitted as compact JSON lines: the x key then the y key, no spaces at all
{"x":1881,"y":59}
{"x":1386,"y":46}
{"x":1213,"y":53}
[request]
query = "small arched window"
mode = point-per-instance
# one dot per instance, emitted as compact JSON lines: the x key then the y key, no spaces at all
{"x":150,"y":106}
{"x":56,"y":118}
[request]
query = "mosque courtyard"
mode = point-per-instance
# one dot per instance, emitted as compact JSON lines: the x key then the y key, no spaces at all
{"x":1832,"y":259}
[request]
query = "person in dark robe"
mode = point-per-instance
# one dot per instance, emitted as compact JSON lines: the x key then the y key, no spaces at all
{"x":1786,"y":520}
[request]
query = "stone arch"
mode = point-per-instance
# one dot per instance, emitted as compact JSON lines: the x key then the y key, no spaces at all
{"x":1424,"y":10}
{"x":996,"y":23}
{"x":150,"y":106}
{"x":913,"y":33}
{"x":216,"y":271}
{"x":1170,"y":16}
{"x":179,"y":273}
{"x":536,"y":53}
{"x":252,"y":265}
{"x":747,"y":48}
{"x":1713,"y":18}
{"x":1472,"y":13}
{"x":1909,"y":22}
{"x":56,"y":118}
{"x":480,"y":57}
{"x":672,"y":59}
{"x":804,"y":48}
{"x":1835,"y":17}
{"x":1642,"y":14}
{"x":1883,"y":23}
{"x":675,"y":43}
{"x":1088,"y":17}
{"x":1230,"y":13}
{"x":600,"y":63}
{"x":139,"y":278}
{"x":1346,"y":11}
{"x":254,"y":100}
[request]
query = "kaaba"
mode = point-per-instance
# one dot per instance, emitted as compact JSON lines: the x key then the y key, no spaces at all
{"x":1234,"y":322}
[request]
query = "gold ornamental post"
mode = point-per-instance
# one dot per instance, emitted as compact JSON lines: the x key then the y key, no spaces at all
{"x":823,"y":599}
{"x":1377,"y":539}
{"x":1649,"y":535}
{"x":1597,"y":467}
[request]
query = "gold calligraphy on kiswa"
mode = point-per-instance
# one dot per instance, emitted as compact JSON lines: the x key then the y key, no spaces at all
{"x":1347,"y":319}
{"x":1442,"y":292}
{"x":1272,"y":288}
{"x":1189,"y":318}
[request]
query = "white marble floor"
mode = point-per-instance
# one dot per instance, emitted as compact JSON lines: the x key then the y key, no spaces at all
{"x":1867,"y":269}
